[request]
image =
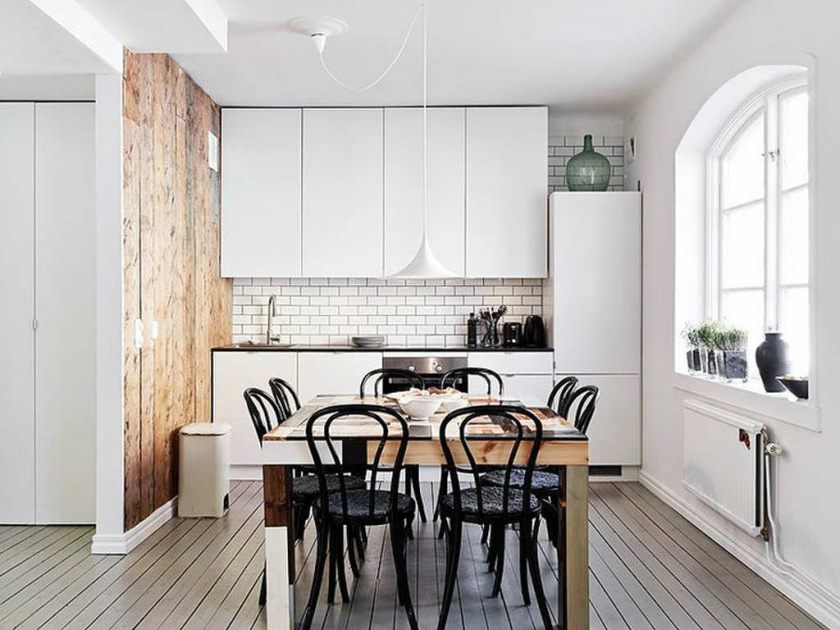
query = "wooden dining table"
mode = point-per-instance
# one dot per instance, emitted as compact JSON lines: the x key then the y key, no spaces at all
{"x":563,"y":448}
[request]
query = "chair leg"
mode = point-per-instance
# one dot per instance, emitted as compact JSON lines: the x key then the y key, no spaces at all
{"x":398,"y":544}
{"x":453,"y":555}
{"x":443,"y":527}
{"x":332,"y":578}
{"x":524,"y":541}
{"x":339,"y":564}
{"x":317,"y":577}
{"x":485,"y":532}
{"x":352,"y":537}
{"x":442,"y":490}
{"x":418,"y":493}
{"x":263,"y":587}
{"x":499,"y":543}
{"x":536,"y":577}
{"x":493,"y":548}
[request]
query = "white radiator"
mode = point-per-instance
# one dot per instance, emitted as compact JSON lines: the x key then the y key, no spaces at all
{"x":723,"y":462}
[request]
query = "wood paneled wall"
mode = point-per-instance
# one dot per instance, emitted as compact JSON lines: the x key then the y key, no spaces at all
{"x":171,"y":272}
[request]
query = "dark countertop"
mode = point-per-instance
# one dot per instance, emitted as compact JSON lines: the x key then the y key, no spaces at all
{"x":308,"y":348}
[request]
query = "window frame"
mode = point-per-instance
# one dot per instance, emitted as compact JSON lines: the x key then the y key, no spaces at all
{"x":765,"y":102}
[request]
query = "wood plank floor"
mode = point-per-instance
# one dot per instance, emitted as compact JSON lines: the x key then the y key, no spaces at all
{"x":649,"y":569}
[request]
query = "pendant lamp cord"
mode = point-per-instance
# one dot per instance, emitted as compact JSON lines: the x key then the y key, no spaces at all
{"x":425,"y":119}
{"x":385,"y":72}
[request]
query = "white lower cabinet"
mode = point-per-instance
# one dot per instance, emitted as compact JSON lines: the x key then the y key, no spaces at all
{"x":338,"y":373}
{"x":531,"y":389}
{"x":233,"y":373}
{"x":616,"y":430}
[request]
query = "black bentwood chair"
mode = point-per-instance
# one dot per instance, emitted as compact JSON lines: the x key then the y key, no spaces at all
{"x":490,"y":379}
{"x":412,"y":473}
{"x":285,"y":396}
{"x":265,"y":416}
{"x":494,"y":506}
{"x":358,"y":508}
{"x":561,"y":395}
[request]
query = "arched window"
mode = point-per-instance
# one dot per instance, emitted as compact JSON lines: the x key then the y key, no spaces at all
{"x":757,"y":275}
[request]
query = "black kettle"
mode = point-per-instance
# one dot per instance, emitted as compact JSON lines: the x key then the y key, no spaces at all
{"x":534,"y":334}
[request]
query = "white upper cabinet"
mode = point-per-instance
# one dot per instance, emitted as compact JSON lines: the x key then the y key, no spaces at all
{"x":261,"y":192}
{"x":404,"y":186}
{"x":507,"y":175}
{"x":342,"y":193}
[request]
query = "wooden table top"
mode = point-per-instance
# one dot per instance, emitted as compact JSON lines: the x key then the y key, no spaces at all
{"x":555,"y":428}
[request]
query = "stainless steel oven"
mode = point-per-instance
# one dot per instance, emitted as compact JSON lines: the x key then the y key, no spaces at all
{"x":430,"y":368}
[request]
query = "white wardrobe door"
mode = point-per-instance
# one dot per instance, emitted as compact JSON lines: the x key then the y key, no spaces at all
{"x":17,"y":393}
{"x":65,"y":425}
{"x":342,"y":193}
{"x":404,"y":186}
{"x":261,"y":193}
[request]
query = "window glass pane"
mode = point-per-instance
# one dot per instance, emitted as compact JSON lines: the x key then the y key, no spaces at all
{"x":793,"y":138}
{"x":745,"y":309}
{"x":742,"y":166}
{"x":794,"y":326}
{"x":742,"y":247}
{"x":793,"y":237}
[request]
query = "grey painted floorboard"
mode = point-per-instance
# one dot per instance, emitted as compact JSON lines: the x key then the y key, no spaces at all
{"x":649,"y":569}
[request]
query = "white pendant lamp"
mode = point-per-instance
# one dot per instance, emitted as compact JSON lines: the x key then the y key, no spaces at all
{"x":424,"y":264}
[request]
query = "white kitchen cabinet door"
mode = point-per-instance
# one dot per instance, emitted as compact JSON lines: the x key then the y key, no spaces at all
{"x":507,"y":174}
{"x":404,"y":186}
{"x":65,"y":303}
{"x":616,"y":430}
{"x":531,"y":389}
{"x":338,"y":373}
{"x":515,"y":362}
{"x":261,"y":193}
{"x":17,"y":368}
{"x":342,"y":193}
{"x":597,"y":282}
{"x":233,"y":373}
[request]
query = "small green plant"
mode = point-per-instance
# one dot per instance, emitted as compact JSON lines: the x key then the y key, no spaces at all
{"x":707,"y":333}
{"x":689,"y":333}
{"x":730,"y":339}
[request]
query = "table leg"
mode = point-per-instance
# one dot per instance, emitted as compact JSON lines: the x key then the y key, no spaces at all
{"x":574,"y":548}
{"x":279,"y":547}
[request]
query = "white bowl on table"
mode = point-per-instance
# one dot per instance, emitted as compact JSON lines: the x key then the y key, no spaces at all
{"x":419,"y":407}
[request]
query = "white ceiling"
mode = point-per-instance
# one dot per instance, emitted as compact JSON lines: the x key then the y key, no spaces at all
{"x":572,"y":54}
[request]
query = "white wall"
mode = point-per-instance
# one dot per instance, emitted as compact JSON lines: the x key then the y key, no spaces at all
{"x":760,"y":32}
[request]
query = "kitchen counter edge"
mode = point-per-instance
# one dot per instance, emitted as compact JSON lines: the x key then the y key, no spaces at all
{"x":305,"y":348}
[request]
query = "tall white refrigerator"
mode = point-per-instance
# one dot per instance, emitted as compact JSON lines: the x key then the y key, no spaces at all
{"x":593,"y":309}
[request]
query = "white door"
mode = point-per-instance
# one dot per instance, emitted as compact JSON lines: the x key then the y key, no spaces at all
{"x":233,"y":373}
{"x":342,"y":193}
{"x":597,"y":282}
{"x":17,"y":369}
{"x":616,"y":430}
{"x":338,"y":373}
{"x":65,"y":360}
{"x":261,"y":193}
{"x":507,"y":175}
{"x":404,"y":186}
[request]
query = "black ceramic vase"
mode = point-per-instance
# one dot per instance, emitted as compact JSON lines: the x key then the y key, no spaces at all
{"x":771,"y":357}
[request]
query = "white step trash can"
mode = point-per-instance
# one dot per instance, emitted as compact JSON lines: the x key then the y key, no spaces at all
{"x":204,"y":470}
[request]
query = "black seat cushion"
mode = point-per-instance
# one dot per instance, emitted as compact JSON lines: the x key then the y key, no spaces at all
{"x":541,"y":481}
{"x":307,"y":488}
{"x":491,"y":499}
{"x":358,"y":504}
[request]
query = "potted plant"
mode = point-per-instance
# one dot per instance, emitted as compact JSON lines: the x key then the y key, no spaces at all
{"x":707,"y":338}
{"x":731,"y":346}
{"x":692,"y":355}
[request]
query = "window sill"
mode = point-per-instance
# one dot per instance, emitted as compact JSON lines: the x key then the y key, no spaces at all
{"x":752,"y":398}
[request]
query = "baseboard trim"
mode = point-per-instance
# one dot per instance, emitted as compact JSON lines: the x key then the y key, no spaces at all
{"x":824,"y":609}
{"x":121,"y":544}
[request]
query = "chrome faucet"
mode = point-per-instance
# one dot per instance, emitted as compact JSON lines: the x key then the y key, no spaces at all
{"x":271,"y":314}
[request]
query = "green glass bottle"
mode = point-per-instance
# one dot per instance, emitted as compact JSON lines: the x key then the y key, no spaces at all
{"x":588,"y":170}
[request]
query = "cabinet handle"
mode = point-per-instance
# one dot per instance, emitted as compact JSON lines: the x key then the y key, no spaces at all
{"x":138,"y":333}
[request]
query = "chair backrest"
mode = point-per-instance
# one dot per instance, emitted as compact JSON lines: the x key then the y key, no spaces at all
{"x":285,"y":396}
{"x":561,"y":395}
{"x":382,"y":426}
{"x":264,"y":412}
{"x":582,"y":407}
{"x":511,"y":417}
{"x":413,"y":378}
{"x":487,"y":375}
